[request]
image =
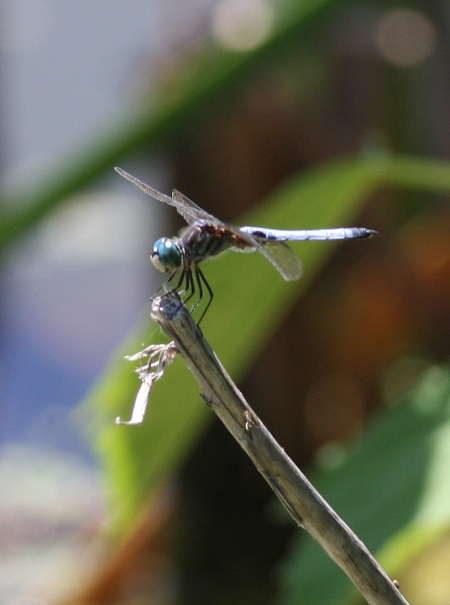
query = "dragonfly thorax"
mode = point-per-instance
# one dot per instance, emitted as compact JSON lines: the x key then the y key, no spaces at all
{"x":166,"y":255}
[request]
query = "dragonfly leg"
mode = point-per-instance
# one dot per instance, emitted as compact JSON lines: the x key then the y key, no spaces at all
{"x":183,"y":278}
{"x":200,"y":289}
{"x":185,"y":287}
{"x":180,"y":281}
{"x":189,"y":288}
{"x":164,"y":286}
{"x":202,"y":279}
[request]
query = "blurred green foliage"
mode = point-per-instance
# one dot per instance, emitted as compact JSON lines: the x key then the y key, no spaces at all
{"x":392,"y":487}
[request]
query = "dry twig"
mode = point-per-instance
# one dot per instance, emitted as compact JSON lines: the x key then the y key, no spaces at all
{"x":305,"y":505}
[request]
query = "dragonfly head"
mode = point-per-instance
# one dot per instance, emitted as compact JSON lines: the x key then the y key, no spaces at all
{"x":166,"y":255}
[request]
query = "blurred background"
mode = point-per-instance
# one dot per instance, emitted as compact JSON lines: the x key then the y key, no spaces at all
{"x":293,"y":114}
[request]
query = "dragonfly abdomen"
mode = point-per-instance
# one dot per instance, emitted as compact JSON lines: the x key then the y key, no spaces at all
{"x":309,"y":234}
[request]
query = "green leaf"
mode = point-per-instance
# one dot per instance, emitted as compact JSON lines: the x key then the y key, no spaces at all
{"x":393,"y":490}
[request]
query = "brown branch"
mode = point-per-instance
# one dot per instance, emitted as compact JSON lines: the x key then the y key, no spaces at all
{"x":305,"y":505}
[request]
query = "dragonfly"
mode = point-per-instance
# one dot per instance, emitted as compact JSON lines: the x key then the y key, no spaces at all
{"x":206,"y":237}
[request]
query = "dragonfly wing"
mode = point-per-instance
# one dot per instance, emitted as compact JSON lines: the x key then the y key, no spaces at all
{"x":277,"y":252}
{"x":282,"y":258}
{"x":188,"y":210}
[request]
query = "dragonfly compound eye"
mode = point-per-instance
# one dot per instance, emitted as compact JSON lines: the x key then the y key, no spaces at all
{"x":166,"y":255}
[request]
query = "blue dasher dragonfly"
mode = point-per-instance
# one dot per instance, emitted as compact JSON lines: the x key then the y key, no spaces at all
{"x":206,"y":236}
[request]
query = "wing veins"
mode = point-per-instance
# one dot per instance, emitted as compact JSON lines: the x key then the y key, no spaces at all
{"x":184,"y":206}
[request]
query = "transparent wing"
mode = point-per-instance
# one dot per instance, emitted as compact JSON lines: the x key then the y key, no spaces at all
{"x":282,"y":258}
{"x":277,"y":252}
{"x":187,"y":208}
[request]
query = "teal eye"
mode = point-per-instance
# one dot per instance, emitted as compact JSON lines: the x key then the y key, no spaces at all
{"x":166,"y":255}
